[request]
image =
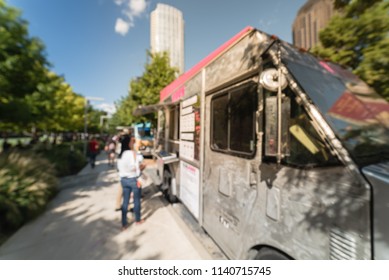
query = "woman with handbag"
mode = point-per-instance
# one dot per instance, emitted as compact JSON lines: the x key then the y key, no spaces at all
{"x":130,"y":166}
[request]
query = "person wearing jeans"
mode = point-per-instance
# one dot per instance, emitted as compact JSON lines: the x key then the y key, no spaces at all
{"x":129,"y":186}
{"x":130,"y":166}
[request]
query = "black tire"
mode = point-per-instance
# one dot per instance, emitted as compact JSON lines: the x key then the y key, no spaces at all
{"x":172,"y":198}
{"x":168,"y":191}
{"x":270,"y":254}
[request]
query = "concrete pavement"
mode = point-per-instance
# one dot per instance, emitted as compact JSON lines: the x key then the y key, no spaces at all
{"x":80,"y":223}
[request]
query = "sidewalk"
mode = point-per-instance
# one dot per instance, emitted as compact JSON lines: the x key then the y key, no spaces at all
{"x":80,"y":223}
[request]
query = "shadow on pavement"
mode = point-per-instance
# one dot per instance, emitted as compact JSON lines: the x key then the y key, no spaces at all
{"x":80,"y":223}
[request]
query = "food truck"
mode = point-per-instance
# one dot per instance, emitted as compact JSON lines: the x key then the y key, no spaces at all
{"x":276,"y":153}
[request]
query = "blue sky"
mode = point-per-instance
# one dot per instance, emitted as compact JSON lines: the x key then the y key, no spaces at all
{"x":100,"y":45}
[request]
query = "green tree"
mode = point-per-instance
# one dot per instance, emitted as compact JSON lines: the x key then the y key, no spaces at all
{"x":94,"y":117}
{"x":23,"y":66}
{"x":123,"y":114}
{"x":358,"y":38}
{"x":354,"y":7}
{"x":145,"y":90}
{"x":31,"y":95}
{"x":55,"y":107}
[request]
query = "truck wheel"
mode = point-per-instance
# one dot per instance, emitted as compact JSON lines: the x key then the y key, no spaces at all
{"x":172,"y":198}
{"x":167,"y":181}
{"x":270,"y":254}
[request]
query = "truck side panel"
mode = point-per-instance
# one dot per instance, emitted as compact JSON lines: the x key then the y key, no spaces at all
{"x":241,"y":59}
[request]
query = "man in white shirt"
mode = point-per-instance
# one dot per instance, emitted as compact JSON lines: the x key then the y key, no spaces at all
{"x":130,"y":166}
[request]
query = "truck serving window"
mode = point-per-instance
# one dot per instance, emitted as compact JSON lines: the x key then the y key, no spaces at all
{"x":233,"y":121}
{"x":174,"y":123}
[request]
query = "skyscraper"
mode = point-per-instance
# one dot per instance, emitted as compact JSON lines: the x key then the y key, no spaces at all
{"x":167,"y":34}
{"x":312,"y":17}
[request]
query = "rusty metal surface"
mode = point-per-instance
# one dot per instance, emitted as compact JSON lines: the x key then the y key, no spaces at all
{"x":296,"y":211}
{"x":193,"y":86}
{"x":317,"y":213}
{"x":241,"y":58}
{"x":290,"y":209}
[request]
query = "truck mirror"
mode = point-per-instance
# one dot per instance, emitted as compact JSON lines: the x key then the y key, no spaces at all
{"x":271,"y":137}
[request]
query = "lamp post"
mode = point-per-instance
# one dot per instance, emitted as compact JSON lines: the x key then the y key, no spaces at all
{"x":87,"y":99}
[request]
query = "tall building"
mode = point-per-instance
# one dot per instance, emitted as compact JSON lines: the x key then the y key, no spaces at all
{"x":167,"y":34}
{"x":310,"y":19}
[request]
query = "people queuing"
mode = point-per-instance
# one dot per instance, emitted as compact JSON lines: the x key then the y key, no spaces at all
{"x":130,"y":166}
{"x":123,"y":141}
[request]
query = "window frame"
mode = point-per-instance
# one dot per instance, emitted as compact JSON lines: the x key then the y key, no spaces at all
{"x":251,"y":85}
{"x":174,"y":120}
{"x":284,"y":162}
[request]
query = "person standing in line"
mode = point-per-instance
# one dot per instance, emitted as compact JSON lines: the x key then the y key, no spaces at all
{"x":124,"y":141}
{"x":130,"y":166}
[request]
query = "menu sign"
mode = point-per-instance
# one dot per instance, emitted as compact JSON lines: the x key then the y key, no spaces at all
{"x":190,"y":192}
{"x":190,"y":129}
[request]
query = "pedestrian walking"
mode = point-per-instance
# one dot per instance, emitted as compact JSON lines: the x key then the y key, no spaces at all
{"x":110,"y":148}
{"x":93,"y":148}
{"x":130,"y":166}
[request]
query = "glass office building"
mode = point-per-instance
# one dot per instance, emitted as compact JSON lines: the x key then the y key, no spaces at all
{"x":167,"y":34}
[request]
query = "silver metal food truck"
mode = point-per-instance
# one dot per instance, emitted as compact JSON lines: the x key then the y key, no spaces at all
{"x":276,"y":153}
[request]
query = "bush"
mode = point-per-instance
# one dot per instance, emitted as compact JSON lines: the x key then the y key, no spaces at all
{"x":27,"y":183}
{"x":67,"y":158}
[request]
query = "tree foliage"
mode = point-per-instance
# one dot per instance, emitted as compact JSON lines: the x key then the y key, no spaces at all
{"x":358,"y":38}
{"x":31,"y":95}
{"x":94,"y":117}
{"x":55,"y":107}
{"x":22,"y":65}
{"x":354,"y":7}
{"x":145,"y":90}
